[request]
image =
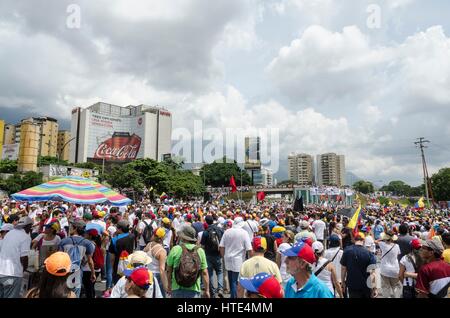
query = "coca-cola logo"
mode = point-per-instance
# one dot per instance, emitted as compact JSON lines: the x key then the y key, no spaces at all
{"x":119,"y":148}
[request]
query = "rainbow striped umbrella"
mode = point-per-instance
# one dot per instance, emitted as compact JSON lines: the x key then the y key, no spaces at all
{"x":72,"y":189}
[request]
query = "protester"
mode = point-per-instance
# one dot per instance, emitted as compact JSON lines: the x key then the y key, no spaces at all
{"x":210,"y":242}
{"x":186,"y":266}
{"x":325,"y":271}
{"x":319,"y":228}
{"x":389,"y":267}
{"x":404,"y":240}
{"x":234,"y":245}
{"x":433,"y":278}
{"x":446,"y":242}
{"x":258,"y":263}
{"x":138,"y":283}
{"x":122,"y":242}
{"x":334,"y":254}
{"x":14,"y":258}
{"x":47,"y":243}
{"x":138,"y":259}
{"x":54,"y":279}
{"x":305,"y":232}
{"x":5,"y":228}
{"x":158,"y":254}
{"x":409,"y":267}
{"x":288,"y":241}
{"x":261,"y":285}
{"x":355,"y":270}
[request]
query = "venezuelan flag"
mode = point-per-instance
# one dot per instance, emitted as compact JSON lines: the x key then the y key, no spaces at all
{"x":420,"y":204}
{"x":163,"y":196}
{"x":354,"y":220}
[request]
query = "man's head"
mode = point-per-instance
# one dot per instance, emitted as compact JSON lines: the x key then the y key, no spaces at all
{"x":25,"y":223}
{"x":431,"y":250}
{"x":403,"y":228}
{"x":5,"y":229}
{"x":446,"y":239}
{"x":139,"y":259}
{"x":77,"y":227}
{"x":209,"y":219}
{"x":123,"y":226}
{"x":259,"y":244}
{"x":188,"y":234}
{"x":299,"y":258}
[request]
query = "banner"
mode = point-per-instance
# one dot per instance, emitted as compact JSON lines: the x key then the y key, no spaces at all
{"x":10,"y":152}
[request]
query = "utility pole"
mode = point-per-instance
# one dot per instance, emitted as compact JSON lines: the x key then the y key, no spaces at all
{"x":420,"y":143}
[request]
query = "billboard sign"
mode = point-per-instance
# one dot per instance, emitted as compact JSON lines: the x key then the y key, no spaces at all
{"x":10,"y":152}
{"x":115,"y":138}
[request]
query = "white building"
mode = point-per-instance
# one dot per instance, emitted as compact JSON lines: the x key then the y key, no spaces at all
{"x":120,"y":134}
{"x":267,"y":177}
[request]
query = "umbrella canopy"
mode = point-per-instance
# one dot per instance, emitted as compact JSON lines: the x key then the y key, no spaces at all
{"x":76,"y":190}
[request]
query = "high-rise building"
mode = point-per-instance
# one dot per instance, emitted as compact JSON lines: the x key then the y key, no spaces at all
{"x":10,"y":134}
{"x":29,"y":146}
{"x":267,"y":177}
{"x":2,"y":130}
{"x":63,"y":147}
{"x":112,"y":133}
{"x":330,"y":169}
{"x":301,"y":168}
{"x":47,"y":133}
{"x":252,"y":163}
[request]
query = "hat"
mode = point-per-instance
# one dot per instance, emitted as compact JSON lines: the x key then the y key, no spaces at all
{"x":259,"y":243}
{"x":58,"y":264}
{"x":92,"y":232}
{"x":123,"y":224}
{"x":23,"y":222}
{"x":263,"y":284}
{"x":302,"y":250}
{"x":386,"y":236}
{"x":416,"y":244}
{"x":140,"y":276}
{"x":434,"y":244}
{"x":139,"y":257}
{"x":87,"y":216}
{"x":54,"y":225}
{"x":79,"y":224}
{"x":278,"y":231}
{"x":238,"y":222}
{"x":6,"y":227}
{"x":188,"y":233}
{"x":160,"y":232}
{"x":264,"y":222}
{"x":304,"y":224}
{"x":317,"y":247}
{"x":166,"y":220}
{"x":360,"y":236}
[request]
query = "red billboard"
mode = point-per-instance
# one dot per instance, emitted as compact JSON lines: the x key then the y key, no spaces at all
{"x":120,"y":147}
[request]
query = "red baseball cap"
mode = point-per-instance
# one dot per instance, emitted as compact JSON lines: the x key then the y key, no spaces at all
{"x":140,"y":276}
{"x":263,"y":284}
{"x":302,"y":250}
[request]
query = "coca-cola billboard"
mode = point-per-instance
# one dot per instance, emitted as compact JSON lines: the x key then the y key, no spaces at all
{"x":115,"y":138}
{"x":120,"y":147}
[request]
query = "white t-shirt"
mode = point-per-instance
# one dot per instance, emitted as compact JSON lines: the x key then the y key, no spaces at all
{"x":16,"y":244}
{"x":236,"y":243}
{"x":167,"y":238}
{"x":177,"y":224}
{"x":285,"y":276}
{"x":369,"y":243}
{"x":251,"y":228}
{"x":319,"y":229}
{"x":389,"y":264}
{"x":80,"y":212}
{"x":410,"y":269}
{"x":329,"y":254}
{"x":64,"y":222}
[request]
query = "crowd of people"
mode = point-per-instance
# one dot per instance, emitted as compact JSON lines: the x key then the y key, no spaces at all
{"x":219,"y":250}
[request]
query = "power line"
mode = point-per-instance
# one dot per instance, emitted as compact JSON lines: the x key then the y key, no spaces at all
{"x":420,"y":143}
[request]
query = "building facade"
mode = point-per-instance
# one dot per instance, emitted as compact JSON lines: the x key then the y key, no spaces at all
{"x":63,"y":145}
{"x":9,"y":134}
{"x":330,"y":169}
{"x":29,"y":146}
{"x":267,"y":177}
{"x":106,"y":132}
{"x":301,"y":168}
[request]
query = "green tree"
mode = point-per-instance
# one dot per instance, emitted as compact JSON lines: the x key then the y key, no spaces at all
{"x":441,"y":185}
{"x":383,"y":201}
{"x":397,"y":188}
{"x":363,"y":186}
{"x":218,"y":173}
{"x":88,"y":165}
{"x":47,"y":160}
{"x":8,"y":166}
{"x":287,"y":182}
{"x":18,"y":182}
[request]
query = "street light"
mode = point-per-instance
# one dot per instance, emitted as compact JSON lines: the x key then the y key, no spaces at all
{"x":61,"y":150}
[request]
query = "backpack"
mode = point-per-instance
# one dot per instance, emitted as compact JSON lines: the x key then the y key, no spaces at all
{"x":213,"y":239}
{"x":75,"y":255}
{"x":98,"y":258}
{"x":188,"y":271}
{"x":148,"y":232}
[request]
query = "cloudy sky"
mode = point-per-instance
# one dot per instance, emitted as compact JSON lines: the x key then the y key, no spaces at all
{"x":330,"y":75}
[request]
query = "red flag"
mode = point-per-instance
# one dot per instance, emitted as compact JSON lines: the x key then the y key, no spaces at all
{"x":260,"y":196}
{"x":233,"y":184}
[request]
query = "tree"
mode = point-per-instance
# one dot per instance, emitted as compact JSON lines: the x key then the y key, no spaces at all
{"x":8,"y":166}
{"x":287,"y":182}
{"x":18,"y":182}
{"x":88,"y":165}
{"x":440,"y":183}
{"x":47,"y":160}
{"x":218,"y":173}
{"x":397,"y":188}
{"x":363,"y":186}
